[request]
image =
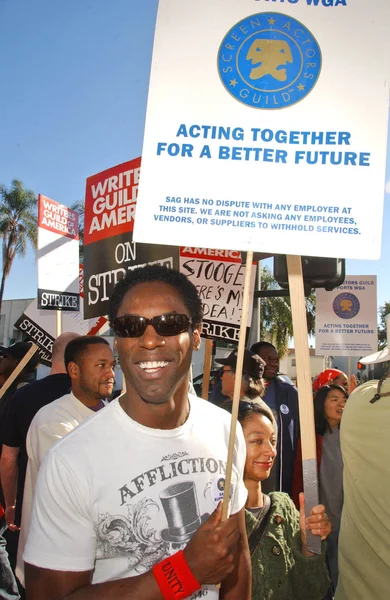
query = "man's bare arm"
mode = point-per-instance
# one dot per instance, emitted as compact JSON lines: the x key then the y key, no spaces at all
{"x":9,"y":481}
{"x":45,"y":584}
{"x":238,"y":585}
{"x":211,"y":555}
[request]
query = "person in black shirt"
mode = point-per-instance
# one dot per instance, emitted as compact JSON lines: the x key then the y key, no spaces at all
{"x":10,"y":358}
{"x":21,"y":410}
{"x":282,"y":399}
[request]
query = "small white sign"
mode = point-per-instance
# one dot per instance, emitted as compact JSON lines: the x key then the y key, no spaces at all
{"x":346,"y":318}
{"x":58,"y":256}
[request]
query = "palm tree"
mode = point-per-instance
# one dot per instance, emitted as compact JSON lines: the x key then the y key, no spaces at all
{"x":18,"y":224}
{"x":79,"y":207}
{"x":276,"y":319}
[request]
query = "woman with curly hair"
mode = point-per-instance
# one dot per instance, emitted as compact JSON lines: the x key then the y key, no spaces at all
{"x":282,"y":566}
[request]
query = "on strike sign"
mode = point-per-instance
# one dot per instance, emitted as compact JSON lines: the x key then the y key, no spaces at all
{"x":109,"y":249}
{"x":110,"y":201}
{"x":58,"y":256}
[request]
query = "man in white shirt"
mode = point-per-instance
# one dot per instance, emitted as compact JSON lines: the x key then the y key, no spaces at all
{"x":128,"y":504}
{"x":89,"y":361}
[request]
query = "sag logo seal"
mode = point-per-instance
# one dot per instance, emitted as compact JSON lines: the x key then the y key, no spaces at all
{"x":346,"y":306}
{"x":269,"y":60}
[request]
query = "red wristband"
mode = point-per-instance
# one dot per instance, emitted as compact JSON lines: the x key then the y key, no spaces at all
{"x":174,"y":577}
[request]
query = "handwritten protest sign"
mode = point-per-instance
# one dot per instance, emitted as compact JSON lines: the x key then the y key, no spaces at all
{"x":219,"y":278}
{"x":273,"y":134}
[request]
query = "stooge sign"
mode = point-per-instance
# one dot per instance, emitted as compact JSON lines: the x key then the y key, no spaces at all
{"x":280,"y":109}
{"x":218,"y":276}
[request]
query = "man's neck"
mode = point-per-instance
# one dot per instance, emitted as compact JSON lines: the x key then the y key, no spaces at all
{"x":88,"y":401}
{"x":170,"y":414}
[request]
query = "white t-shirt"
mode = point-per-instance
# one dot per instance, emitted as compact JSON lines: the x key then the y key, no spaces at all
{"x":51,"y":423}
{"x":118,"y":497}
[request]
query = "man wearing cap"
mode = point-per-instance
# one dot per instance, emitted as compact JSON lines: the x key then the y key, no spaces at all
{"x":10,"y":358}
{"x":252,"y":371}
{"x":128,"y":504}
{"x":282,"y":399}
{"x":364,"y":554}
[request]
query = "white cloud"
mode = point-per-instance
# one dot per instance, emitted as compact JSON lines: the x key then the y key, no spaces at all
{"x":387,"y":187}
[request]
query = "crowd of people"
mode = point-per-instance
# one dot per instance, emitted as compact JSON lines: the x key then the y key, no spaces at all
{"x":123,"y":499}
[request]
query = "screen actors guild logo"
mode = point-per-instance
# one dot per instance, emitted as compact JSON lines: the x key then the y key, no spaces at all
{"x":269,"y":61}
{"x":346,"y":306}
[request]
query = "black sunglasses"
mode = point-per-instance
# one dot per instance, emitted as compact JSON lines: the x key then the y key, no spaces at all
{"x":134,"y":326}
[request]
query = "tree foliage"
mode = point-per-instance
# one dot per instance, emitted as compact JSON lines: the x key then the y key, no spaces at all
{"x":79,"y":207}
{"x":276,"y":324}
{"x":18,"y":224}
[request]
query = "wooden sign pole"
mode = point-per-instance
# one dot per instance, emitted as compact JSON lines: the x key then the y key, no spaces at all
{"x":349,"y":375}
{"x":207,"y":368}
{"x":58,"y":323}
{"x":237,"y":383}
{"x":305,"y":394}
{"x":18,"y":369}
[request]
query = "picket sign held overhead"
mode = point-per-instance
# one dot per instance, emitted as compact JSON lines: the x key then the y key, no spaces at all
{"x":58,"y":256}
{"x":246,"y":154}
{"x":109,"y":249}
{"x":280,"y":156}
{"x":218,"y":275}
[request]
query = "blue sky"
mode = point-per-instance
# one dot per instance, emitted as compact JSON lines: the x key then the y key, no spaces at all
{"x":75,"y":78}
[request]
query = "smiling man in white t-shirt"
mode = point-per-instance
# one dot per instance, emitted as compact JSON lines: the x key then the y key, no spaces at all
{"x":126,"y":505}
{"x":89,"y":362}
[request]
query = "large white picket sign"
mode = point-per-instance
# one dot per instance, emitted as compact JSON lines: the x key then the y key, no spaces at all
{"x":266,"y":126}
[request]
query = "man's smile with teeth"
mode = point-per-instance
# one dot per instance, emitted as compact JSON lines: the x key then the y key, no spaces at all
{"x":152,"y":364}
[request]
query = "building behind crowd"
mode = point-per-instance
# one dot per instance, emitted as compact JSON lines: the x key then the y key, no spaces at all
{"x":12,"y":309}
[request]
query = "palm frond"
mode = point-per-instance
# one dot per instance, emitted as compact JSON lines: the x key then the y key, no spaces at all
{"x":18,"y":223}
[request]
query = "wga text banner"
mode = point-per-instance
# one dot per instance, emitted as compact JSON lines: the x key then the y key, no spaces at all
{"x":109,"y":249}
{"x":58,"y":256}
{"x":266,"y":126}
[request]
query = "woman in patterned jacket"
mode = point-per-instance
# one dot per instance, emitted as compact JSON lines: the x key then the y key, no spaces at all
{"x":282,"y":566}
